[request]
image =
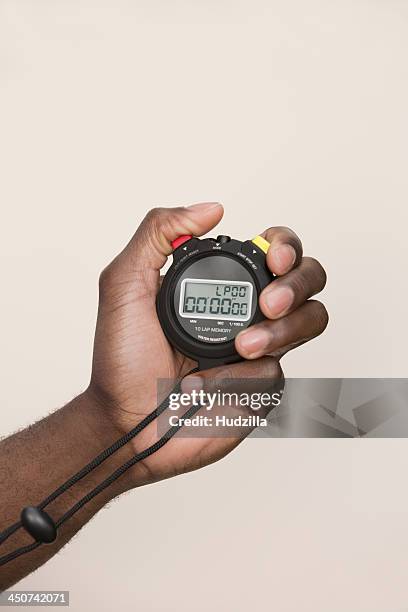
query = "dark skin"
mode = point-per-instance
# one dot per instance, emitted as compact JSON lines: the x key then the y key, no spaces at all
{"x":123,"y":387}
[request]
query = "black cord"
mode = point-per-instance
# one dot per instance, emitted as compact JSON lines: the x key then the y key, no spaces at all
{"x":95,"y":463}
{"x":123,"y":468}
{"x":108,"y":452}
{"x":18,"y":552}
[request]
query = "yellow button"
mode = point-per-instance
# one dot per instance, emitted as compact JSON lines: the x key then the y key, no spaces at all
{"x":261,"y":243}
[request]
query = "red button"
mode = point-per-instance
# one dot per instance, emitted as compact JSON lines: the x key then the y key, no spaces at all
{"x":180,"y":240}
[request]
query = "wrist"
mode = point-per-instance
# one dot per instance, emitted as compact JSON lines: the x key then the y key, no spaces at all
{"x":99,"y":432}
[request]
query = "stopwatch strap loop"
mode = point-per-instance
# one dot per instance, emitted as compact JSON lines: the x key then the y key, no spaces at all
{"x":41,"y":526}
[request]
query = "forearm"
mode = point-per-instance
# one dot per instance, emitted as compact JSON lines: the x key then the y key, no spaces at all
{"x":37,"y":460}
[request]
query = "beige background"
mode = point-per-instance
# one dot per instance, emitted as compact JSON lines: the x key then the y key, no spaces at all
{"x":290,"y":113}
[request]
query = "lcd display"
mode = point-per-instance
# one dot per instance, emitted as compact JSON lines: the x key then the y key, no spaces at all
{"x":215,"y":299}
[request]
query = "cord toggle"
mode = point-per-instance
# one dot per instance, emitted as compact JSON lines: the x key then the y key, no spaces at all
{"x":38,"y":524}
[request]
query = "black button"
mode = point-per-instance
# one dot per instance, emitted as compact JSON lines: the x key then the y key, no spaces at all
{"x":223,"y":239}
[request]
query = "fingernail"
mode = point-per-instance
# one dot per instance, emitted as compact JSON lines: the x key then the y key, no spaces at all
{"x":253,"y":341}
{"x":284,"y":257}
{"x":192,"y":383}
{"x":203,"y":206}
{"x":278,"y":300}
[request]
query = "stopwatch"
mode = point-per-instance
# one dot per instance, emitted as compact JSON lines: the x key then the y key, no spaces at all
{"x":210,"y":294}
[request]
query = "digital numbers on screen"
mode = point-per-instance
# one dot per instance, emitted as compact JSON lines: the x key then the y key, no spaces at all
{"x":215,"y":299}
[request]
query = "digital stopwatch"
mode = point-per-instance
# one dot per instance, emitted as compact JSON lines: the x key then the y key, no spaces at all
{"x":210,"y":294}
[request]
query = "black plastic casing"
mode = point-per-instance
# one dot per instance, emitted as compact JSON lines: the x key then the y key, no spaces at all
{"x":248,"y":255}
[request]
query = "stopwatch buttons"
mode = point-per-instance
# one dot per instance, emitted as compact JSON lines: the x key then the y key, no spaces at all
{"x":261,"y":243}
{"x":223,"y":239}
{"x":180,"y":240}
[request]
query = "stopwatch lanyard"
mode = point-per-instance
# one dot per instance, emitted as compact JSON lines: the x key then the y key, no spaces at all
{"x":37,"y":515}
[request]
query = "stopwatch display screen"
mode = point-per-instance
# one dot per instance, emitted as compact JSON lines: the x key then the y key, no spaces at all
{"x":215,"y":299}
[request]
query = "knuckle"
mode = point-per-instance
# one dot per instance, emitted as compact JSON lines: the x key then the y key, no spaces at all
{"x":283,"y":229}
{"x":153,"y":218}
{"x":106,"y":278}
{"x":288,"y":236}
{"x":163,"y":221}
{"x":299,"y":282}
{"x":320,"y":315}
{"x":274,"y":368}
{"x":151,"y":230}
{"x":175,"y":219}
{"x":317,"y":270}
{"x":154,"y":213}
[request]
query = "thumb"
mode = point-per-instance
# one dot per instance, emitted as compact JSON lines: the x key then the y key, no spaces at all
{"x":151,"y":244}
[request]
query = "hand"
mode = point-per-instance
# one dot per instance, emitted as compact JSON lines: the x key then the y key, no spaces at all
{"x":131,"y":352}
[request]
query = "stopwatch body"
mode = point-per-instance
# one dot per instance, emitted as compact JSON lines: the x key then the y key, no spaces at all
{"x":210,"y":294}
